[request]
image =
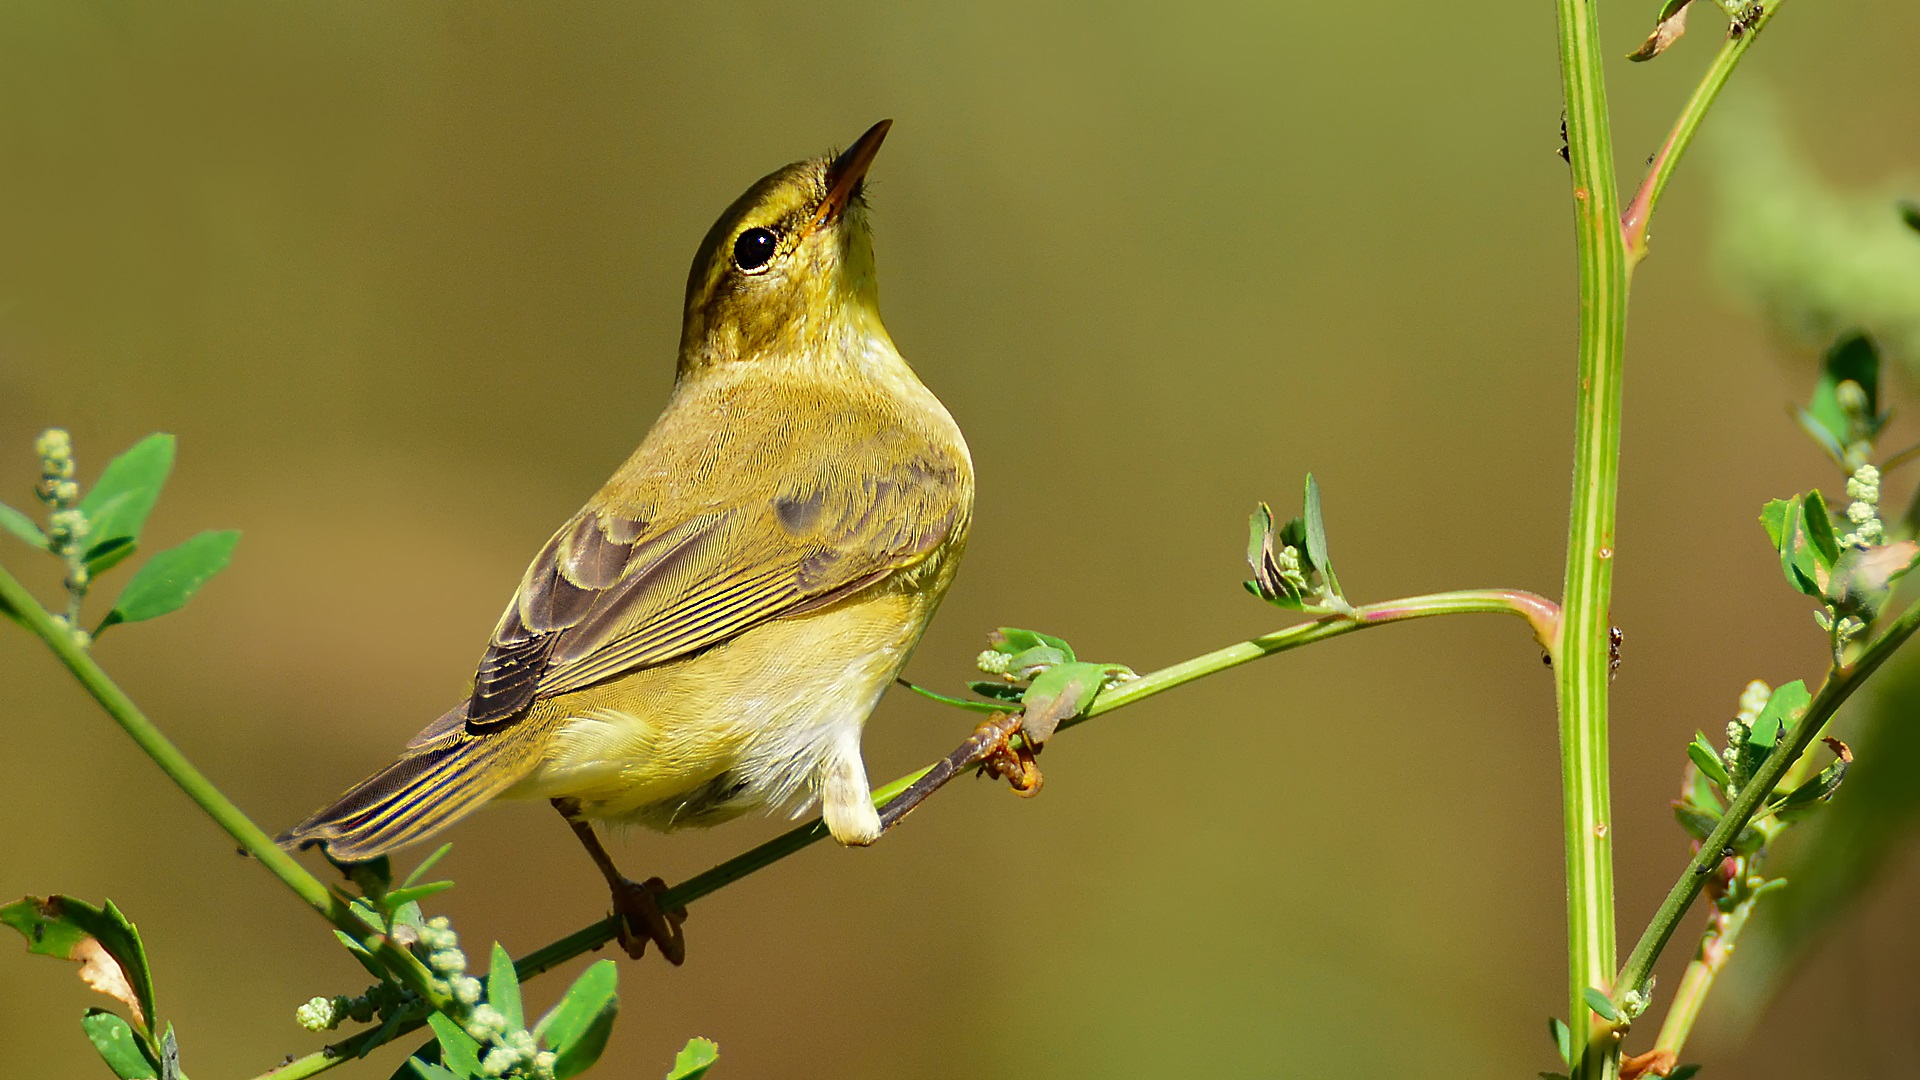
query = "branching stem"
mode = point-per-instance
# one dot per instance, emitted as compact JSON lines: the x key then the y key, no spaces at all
{"x":1839,"y":686}
{"x":1633,"y":223}
{"x":1541,"y":614}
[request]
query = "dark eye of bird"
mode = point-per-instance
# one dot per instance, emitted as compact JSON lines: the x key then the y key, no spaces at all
{"x":754,"y":248}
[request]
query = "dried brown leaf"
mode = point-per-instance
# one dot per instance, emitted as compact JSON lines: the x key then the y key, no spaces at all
{"x":1665,"y":34}
{"x":102,"y":973}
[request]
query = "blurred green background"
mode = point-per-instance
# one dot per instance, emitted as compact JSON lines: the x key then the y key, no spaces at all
{"x":406,"y":279}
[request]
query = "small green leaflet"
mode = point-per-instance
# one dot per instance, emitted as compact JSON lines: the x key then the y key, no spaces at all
{"x":119,"y":502}
{"x":1785,"y":703}
{"x":169,"y":579}
{"x":22,"y":526}
{"x":694,"y":1060}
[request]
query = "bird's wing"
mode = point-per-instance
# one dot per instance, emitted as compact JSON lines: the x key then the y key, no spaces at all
{"x":613,"y":593}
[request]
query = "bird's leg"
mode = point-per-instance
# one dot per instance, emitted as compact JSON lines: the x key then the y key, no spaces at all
{"x":642,"y":919}
{"x":992,"y":747}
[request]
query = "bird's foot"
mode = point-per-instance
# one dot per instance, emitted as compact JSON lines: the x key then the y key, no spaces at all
{"x":1004,"y":757}
{"x":642,"y":919}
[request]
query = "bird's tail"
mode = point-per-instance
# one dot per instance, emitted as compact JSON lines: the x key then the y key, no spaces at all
{"x":444,"y":775}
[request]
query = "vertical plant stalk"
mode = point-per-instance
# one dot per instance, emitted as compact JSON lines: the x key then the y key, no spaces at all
{"x":1581,"y":656}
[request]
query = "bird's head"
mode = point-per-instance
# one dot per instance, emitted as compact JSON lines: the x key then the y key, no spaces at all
{"x":787,"y":271}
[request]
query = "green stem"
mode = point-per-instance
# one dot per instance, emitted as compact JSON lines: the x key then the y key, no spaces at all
{"x":1840,"y":685}
{"x":1715,"y":946}
{"x":66,"y":646}
{"x":1582,"y":655}
{"x":1640,"y":211}
{"x":1539,"y":612}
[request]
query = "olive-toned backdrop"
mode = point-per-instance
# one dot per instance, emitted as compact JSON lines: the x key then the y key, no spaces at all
{"x":405,"y":279}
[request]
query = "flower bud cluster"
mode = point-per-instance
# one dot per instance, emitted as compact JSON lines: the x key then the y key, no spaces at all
{"x":57,"y":487}
{"x":1291,"y":572}
{"x":510,"y":1053}
{"x":380,"y":1000}
{"x":1861,"y":424}
{"x":1863,"y":511}
{"x":441,"y":946}
{"x":1752,"y":700}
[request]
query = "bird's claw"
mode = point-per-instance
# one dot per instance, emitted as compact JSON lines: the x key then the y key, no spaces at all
{"x":1005,"y":758}
{"x":642,"y":919}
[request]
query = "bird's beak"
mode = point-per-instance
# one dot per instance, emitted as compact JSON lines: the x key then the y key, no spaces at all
{"x":846,"y":172}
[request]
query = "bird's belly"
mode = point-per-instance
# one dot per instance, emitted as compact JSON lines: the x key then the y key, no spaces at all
{"x":740,"y":727}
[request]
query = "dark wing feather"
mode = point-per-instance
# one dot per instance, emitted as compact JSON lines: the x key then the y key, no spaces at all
{"x":612,"y":593}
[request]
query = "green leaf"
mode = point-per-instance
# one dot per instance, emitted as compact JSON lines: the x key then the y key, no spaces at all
{"x":1804,"y":799}
{"x":1853,"y":359}
{"x":1815,"y":548}
{"x":426,"y":864}
{"x":1005,"y":691}
{"x":1699,"y":794}
{"x":1818,"y":432}
{"x":1032,"y":661}
{"x":1773,"y":517}
{"x":1783,"y":705}
{"x":1910,"y":214}
{"x":1683,"y":1072}
{"x":591,"y":994}
{"x":1316,"y":549}
{"x":694,"y":1059}
{"x":1782,"y":517}
{"x":458,"y":1050}
{"x":1562,"y":1038}
{"x":578,"y":1036}
{"x":1819,"y":527}
{"x":1863,"y":577}
{"x":1263,"y":557}
{"x":61,"y":926}
{"x":22,"y":526}
{"x":1259,"y":527}
{"x":170,"y":579}
{"x":427,"y":1054}
{"x":1012,"y":640}
{"x":429,"y":1071}
{"x":413,"y":894}
{"x":119,"y":1045}
{"x":1601,"y":1005}
{"x":1707,"y":760}
{"x":361,"y":953}
{"x":121,"y":499}
{"x":1062,"y":692}
{"x":503,"y":989}
{"x":1698,"y":823}
{"x":104,"y":557}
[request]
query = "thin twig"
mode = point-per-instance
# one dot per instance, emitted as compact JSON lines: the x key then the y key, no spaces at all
{"x":1633,"y":224}
{"x":60,"y":639}
{"x":1541,"y":614}
{"x":1838,"y":687}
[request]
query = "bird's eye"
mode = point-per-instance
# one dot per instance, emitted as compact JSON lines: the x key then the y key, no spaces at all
{"x":754,"y":249}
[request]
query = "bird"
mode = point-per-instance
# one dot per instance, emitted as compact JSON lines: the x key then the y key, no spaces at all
{"x":709,"y":635}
